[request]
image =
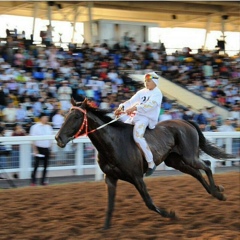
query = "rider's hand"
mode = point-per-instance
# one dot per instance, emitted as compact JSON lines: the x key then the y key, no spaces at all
{"x":118,"y":112}
{"x":131,"y":110}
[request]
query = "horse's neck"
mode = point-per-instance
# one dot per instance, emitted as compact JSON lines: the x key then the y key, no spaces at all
{"x":100,"y":138}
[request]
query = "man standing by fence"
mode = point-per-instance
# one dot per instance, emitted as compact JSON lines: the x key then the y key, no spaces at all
{"x":41,"y":148}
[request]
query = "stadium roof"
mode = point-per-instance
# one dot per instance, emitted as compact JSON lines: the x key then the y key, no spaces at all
{"x":190,"y":14}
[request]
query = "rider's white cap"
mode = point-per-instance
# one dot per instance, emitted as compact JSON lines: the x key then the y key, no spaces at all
{"x":153,"y":76}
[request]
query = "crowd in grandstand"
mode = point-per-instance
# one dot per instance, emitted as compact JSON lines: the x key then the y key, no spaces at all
{"x":36,"y":79}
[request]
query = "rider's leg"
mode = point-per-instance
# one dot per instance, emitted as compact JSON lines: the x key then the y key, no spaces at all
{"x":138,"y":135}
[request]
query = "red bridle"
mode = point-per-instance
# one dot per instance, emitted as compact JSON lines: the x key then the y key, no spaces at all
{"x":84,"y":124}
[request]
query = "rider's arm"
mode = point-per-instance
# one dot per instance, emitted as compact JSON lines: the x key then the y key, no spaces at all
{"x":131,"y":102}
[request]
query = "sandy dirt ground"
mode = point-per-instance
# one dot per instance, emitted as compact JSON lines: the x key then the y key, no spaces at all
{"x":77,"y":211}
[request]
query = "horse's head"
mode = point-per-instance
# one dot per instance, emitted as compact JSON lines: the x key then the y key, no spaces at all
{"x":73,"y":124}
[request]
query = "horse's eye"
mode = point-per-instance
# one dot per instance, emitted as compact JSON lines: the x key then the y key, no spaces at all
{"x":77,"y":116}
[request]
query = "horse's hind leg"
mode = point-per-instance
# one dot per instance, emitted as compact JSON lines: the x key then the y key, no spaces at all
{"x":174,"y":160}
{"x":199,"y":164}
{"x":111,"y":187}
{"x":141,"y":187}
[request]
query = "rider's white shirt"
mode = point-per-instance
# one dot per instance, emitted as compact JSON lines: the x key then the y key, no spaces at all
{"x":148,"y":103}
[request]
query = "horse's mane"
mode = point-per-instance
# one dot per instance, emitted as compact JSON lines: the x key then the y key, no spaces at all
{"x":102,"y":114}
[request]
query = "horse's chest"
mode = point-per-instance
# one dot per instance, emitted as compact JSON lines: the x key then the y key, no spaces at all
{"x":109,"y":166}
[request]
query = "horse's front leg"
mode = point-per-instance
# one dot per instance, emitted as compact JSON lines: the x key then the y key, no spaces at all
{"x":141,"y":187}
{"x":111,"y":187}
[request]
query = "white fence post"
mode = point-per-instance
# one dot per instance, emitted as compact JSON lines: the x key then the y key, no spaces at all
{"x":25,"y":158}
{"x":79,"y":158}
{"x":229,"y":150}
{"x":98,"y":171}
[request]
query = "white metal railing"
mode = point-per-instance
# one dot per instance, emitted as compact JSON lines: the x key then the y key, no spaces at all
{"x":79,"y":158}
{"x":230,"y":141}
{"x":73,"y":157}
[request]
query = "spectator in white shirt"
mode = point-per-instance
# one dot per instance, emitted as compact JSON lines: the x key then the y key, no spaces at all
{"x":10,"y":113}
{"x":112,"y":75}
{"x":41,"y":148}
{"x":64,"y":95}
{"x":58,"y":119}
{"x":20,"y":113}
{"x":104,"y":104}
{"x":227,"y":126}
{"x":165,"y":116}
{"x":5,"y":77}
{"x":235,"y":112}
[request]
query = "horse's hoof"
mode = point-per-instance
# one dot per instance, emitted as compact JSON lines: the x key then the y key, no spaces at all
{"x":172,"y":215}
{"x":220,"y":196}
{"x":224,"y":198}
{"x":220,"y":188}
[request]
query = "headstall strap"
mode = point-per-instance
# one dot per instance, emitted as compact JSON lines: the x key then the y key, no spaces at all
{"x":84,"y":124}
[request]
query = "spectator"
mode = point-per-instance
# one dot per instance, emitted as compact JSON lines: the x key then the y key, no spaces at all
{"x":167,"y":105}
{"x":104,"y":104}
{"x":235,"y":112}
{"x":54,"y":65}
{"x":165,"y":116}
{"x":208,"y":114}
{"x":212,"y":126}
{"x":185,"y":116}
{"x":41,"y":148}
{"x":227,"y":126}
{"x":112,"y":75}
{"x":20,"y":113}
{"x":10,"y":113}
{"x":58,"y":119}
{"x":64,"y":95}
{"x":208,"y":70}
{"x":200,"y":118}
{"x":19,"y":58}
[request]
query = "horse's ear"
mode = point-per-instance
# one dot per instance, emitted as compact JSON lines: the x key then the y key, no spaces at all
{"x":73,"y":102}
{"x":84,"y":103}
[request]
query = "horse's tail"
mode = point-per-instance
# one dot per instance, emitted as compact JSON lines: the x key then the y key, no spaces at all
{"x":208,"y":147}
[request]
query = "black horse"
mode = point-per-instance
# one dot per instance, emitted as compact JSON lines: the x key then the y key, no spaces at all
{"x":176,"y":142}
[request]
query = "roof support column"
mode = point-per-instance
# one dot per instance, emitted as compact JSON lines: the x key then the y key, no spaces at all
{"x":35,"y":11}
{"x":50,"y":13}
{"x":76,"y":13}
{"x":223,"y":31}
{"x":207,"y":31}
{"x":90,"y":6}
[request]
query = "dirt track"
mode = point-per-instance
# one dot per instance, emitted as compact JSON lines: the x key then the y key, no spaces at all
{"x":77,"y":211}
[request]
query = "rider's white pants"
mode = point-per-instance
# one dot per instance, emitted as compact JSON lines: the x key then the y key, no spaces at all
{"x":140,"y":124}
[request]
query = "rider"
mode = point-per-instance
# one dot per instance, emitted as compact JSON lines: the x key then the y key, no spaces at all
{"x":145,"y":105}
